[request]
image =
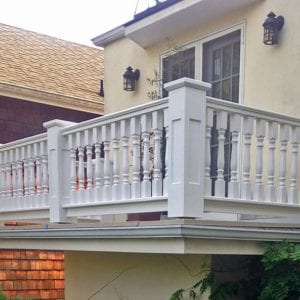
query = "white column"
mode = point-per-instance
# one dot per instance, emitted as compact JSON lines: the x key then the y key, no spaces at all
{"x":272,"y":136}
{"x":73,"y":175}
{"x":157,"y":130}
{"x":284,"y":139}
{"x":115,"y":137}
{"x":97,"y":165}
{"x":221,"y":127}
{"x":135,"y":137}
{"x":146,"y":184}
{"x":107,"y":172}
{"x":259,"y":193}
{"x":59,"y":166}
{"x":166,"y":125}
{"x":125,"y":187}
{"x":295,"y":140}
{"x":233,"y":186}
{"x":246,"y":190}
{"x":186,"y":152}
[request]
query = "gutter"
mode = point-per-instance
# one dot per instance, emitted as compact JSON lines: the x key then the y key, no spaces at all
{"x":181,"y":231}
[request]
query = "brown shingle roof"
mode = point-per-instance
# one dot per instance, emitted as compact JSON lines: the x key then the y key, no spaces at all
{"x":50,"y":68}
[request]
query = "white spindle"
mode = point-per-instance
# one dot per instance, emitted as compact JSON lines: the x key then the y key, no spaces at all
{"x":146,"y":184}
{"x":3,"y":176}
{"x":45,"y":175}
{"x":125,"y":189}
{"x":115,"y":138}
{"x":284,"y":139}
{"x":221,"y":127}
{"x":165,"y":181}
{"x":31,"y":179}
{"x":98,"y":175}
{"x":8,"y":175}
{"x":107,"y":179}
{"x":235,"y":126}
{"x":248,"y":131}
{"x":135,"y":136}
{"x":208,"y":127}
{"x":80,"y":161}
{"x":259,"y":193}
{"x":295,"y":139}
{"x":89,"y":163}
{"x":38,"y":172}
{"x":19,"y":173}
{"x":272,"y":136}
{"x":73,"y":177}
{"x":14,"y":173}
{"x":157,"y":131}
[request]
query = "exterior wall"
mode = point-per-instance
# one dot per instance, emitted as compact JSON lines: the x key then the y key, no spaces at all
{"x":19,"y":118}
{"x":130,"y":276}
{"x":270,"y":71}
{"x":32,"y":274}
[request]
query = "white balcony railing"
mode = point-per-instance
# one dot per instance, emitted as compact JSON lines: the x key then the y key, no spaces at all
{"x":185,"y":155}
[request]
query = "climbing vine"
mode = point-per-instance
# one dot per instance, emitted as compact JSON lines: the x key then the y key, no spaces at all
{"x":276,"y":276}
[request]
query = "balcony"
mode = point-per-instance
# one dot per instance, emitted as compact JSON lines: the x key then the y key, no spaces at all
{"x":187,"y":156}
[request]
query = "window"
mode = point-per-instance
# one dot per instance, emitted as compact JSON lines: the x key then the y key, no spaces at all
{"x":178,"y":65}
{"x":221,"y":66}
{"x":216,"y":61}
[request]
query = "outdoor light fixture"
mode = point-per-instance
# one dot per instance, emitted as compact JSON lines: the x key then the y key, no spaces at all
{"x":129,"y":79}
{"x":272,"y":26}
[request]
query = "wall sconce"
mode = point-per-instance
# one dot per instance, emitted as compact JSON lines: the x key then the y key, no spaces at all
{"x":129,"y":79}
{"x":272,"y":26}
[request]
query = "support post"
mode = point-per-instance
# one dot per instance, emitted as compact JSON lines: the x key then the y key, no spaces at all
{"x":58,"y":167}
{"x":186,"y":151}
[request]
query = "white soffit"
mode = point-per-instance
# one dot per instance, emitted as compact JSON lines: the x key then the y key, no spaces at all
{"x":179,"y":18}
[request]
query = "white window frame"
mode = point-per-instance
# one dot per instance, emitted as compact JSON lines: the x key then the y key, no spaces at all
{"x":198,"y":44}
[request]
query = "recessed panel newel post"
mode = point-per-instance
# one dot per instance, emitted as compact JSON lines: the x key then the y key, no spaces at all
{"x":186,"y":151}
{"x":59,"y":166}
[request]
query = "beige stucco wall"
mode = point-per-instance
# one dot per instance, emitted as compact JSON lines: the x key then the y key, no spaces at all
{"x":270,"y":72}
{"x":130,"y":276}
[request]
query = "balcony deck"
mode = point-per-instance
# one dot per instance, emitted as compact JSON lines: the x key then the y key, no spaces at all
{"x":186,"y":156}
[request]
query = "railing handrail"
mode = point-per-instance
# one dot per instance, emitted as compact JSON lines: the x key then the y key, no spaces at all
{"x":117,"y":116}
{"x":24,"y":142}
{"x":244,"y":110}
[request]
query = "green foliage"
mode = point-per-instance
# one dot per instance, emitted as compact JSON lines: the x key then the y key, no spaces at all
{"x":275,"y":277}
{"x":2,"y":296}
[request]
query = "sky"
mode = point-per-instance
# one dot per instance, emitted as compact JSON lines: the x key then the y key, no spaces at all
{"x":73,"y":20}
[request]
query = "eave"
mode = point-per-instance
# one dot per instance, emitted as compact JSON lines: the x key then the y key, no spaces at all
{"x":175,"y":236}
{"x":28,"y":94}
{"x":179,"y":18}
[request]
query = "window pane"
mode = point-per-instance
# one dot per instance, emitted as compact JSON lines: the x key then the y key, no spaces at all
{"x":226,"y":71}
{"x":236,"y":58}
{"x":217,"y":64}
{"x":181,"y":64}
{"x":216,"y":90}
{"x":226,"y":89}
{"x":235,"y":88}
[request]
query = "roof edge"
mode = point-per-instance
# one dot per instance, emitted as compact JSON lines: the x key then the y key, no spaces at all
{"x":28,"y":94}
{"x":109,"y":36}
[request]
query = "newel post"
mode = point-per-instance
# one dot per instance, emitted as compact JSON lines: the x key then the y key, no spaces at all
{"x":186,"y":151}
{"x":58,"y":166}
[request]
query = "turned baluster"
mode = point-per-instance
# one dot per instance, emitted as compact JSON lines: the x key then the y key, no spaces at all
{"x":259,"y":193}
{"x":221,"y":127}
{"x":166,"y":126}
{"x":272,"y":137}
{"x":246,"y":192}
{"x":73,"y":177}
{"x":157,"y":120}
{"x":135,"y":136}
{"x":208,"y":127}
{"x":295,"y":139}
{"x":125,"y":188}
{"x":284,"y":139}
{"x":235,"y":126}
{"x":107,"y":172}
{"x":97,"y":166}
